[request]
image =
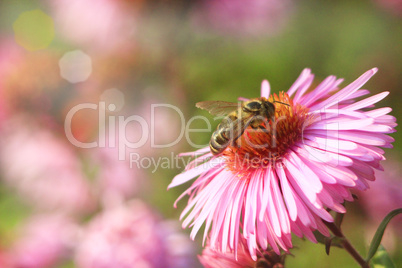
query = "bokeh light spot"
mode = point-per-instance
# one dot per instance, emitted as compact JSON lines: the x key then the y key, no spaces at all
{"x":34,"y":30}
{"x":112,"y":107}
{"x":75,"y":66}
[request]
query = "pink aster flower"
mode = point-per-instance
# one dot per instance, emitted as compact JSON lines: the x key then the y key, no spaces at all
{"x":215,"y":259}
{"x":322,"y":143}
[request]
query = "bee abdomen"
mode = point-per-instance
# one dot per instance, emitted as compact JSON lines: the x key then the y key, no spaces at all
{"x":219,"y":141}
{"x":221,"y":138}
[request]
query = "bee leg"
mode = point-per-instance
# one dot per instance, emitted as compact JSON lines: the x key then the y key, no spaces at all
{"x":236,"y":139}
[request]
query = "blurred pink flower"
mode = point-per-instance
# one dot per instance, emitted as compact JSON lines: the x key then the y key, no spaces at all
{"x":385,"y":195}
{"x":128,"y":150}
{"x":237,"y":17}
{"x":43,"y":168}
{"x":10,"y":56}
{"x":215,"y":259}
{"x":27,"y":80}
{"x":132,"y":236}
{"x":10,"y":53}
{"x":282,"y":180}
{"x":43,"y":242}
{"x":392,"y":6}
{"x":4,"y":260}
{"x":102,"y":25}
{"x":114,"y":178}
{"x":164,"y":125}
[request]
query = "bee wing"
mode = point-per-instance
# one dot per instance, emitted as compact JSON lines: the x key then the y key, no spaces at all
{"x":238,"y":126}
{"x":218,"y":108}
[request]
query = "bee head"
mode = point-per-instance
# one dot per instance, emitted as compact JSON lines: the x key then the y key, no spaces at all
{"x":269,"y":109}
{"x":252,"y":106}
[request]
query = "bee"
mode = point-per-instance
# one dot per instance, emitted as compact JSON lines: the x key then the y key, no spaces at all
{"x":238,"y":117}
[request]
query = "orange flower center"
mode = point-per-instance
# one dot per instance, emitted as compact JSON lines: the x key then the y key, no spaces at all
{"x":264,"y":146}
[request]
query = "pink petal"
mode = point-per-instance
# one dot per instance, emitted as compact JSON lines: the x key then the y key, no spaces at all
{"x":344,"y":125}
{"x":265,"y":89}
{"x":345,"y":92}
{"x":281,"y":209}
{"x":303,"y":88}
{"x":328,"y":85}
{"x":300,"y":80}
{"x":367,"y":102}
{"x":287,"y":194}
{"x":194,"y":172}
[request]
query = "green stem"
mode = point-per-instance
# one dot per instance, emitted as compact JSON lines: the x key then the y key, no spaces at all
{"x":347,"y":245}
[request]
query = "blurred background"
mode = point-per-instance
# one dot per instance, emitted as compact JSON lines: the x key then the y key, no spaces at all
{"x":92,"y":63}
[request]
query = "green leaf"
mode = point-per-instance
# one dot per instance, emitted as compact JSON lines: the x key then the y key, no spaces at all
{"x":328,"y":241}
{"x":381,"y":259}
{"x":320,"y":237}
{"x":375,"y":243}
